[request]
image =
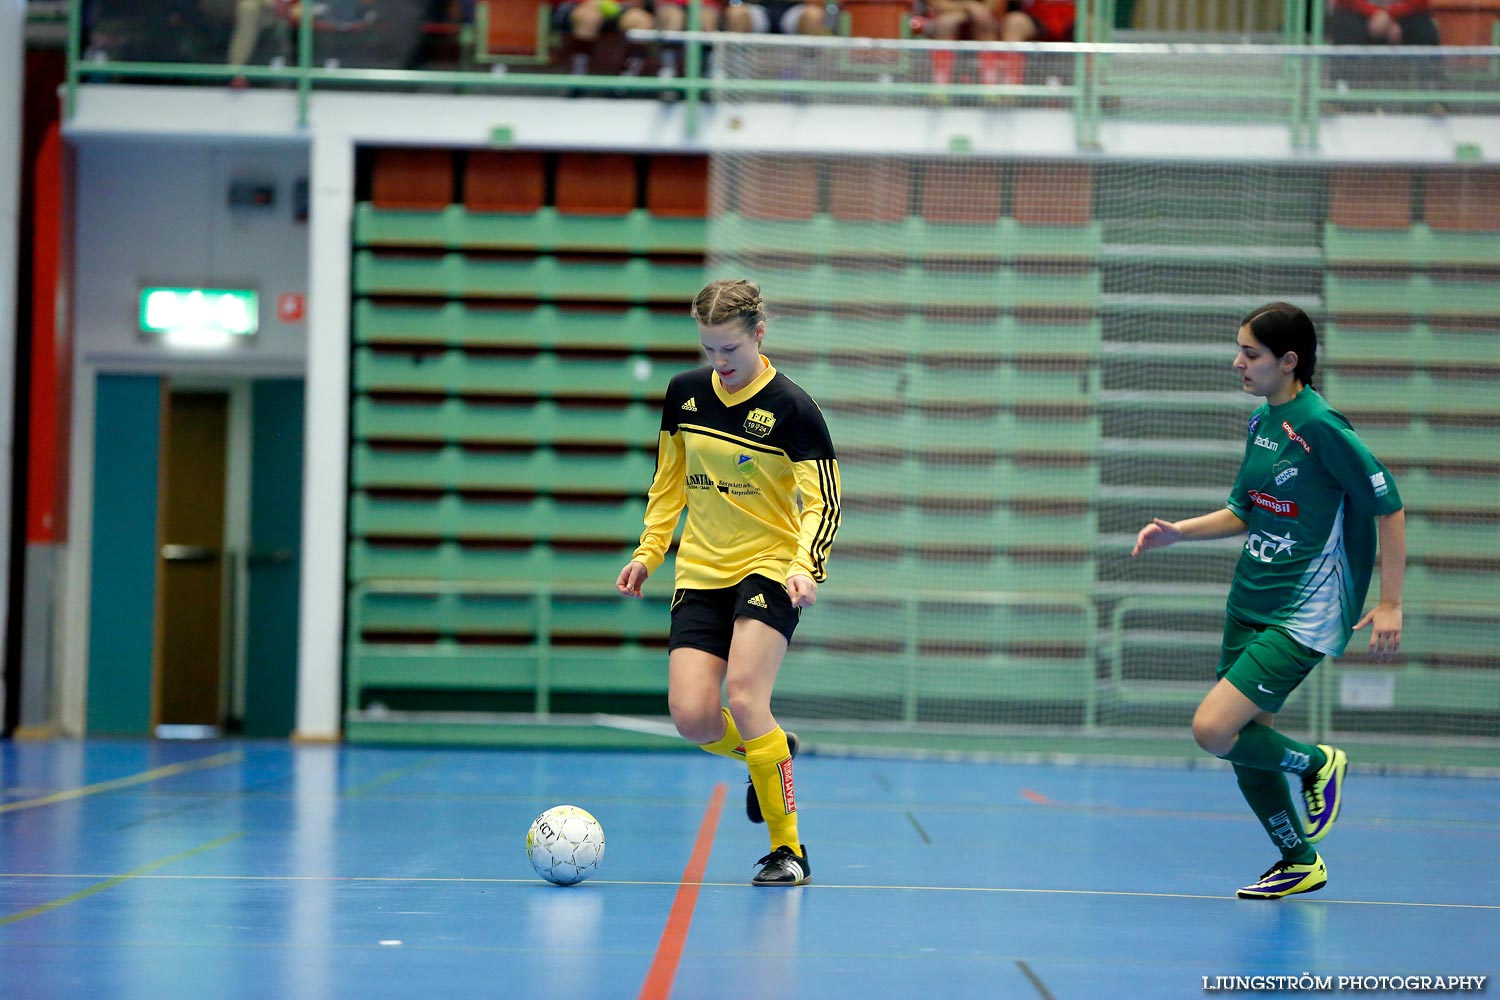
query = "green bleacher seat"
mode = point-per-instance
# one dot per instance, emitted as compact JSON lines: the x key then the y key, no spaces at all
{"x":1452,"y":537}
{"x":1418,"y":246}
{"x":917,"y":239}
{"x":446,"y":613}
{"x":635,"y":279}
{"x":1415,"y":343}
{"x":1007,"y":384}
{"x":540,"y":469}
{"x":453,"y":516}
{"x":546,"y":231}
{"x":449,"y":560}
{"x":1414,"y":390}
{"x":635,"y":329}
{"x":1348,"y":295}
{"x":1423,"y":441}
{"x":540,"y":374}
{"x":635,"y":424}
{"x":989,"y":570}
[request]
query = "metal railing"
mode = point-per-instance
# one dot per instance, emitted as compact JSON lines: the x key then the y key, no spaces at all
{"x":1293,"y":84}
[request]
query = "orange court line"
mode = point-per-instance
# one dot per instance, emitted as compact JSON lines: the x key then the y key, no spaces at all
{"x":658,"y":984}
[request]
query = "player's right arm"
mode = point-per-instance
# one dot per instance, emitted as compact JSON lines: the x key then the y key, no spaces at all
{"x":664,"y":505}
{"x":1159,"y":534}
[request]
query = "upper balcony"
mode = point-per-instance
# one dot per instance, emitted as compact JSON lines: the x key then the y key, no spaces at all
{"x":1263,"y":83}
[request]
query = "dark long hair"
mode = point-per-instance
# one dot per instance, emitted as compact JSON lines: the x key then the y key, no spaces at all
{"x":1282,"y":327}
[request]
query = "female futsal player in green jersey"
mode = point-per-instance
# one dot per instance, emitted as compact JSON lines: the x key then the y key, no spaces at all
{"x":745,"y":450}
{"x":1311,"y":500}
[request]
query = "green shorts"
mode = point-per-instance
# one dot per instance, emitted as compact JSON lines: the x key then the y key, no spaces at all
{"x":1263,"y":662}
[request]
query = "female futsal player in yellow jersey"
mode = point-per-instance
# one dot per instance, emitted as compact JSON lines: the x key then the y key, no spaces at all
{"x":746,"y":451}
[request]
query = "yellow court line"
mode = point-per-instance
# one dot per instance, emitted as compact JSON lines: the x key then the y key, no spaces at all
{"x":217,"y":760}
{"x":110,"y":883}
{"x":390,"y":776}
{"x":823,"y":887}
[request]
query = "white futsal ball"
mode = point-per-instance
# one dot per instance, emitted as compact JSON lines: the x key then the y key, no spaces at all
{"x":565,"y":845}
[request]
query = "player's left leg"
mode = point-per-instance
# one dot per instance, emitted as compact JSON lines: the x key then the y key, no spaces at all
{"x":755,"y":657}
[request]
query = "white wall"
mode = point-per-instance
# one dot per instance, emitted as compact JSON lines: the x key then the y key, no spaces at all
{"x":154,"y":211}
{"x":12,"y":64}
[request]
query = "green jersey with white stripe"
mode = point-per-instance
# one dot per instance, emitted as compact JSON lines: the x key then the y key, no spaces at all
{"x":1309,"y":491}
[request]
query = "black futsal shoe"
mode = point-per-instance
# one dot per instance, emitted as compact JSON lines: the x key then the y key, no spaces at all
{"x":782,"y":867}
{"x":752,"y":802}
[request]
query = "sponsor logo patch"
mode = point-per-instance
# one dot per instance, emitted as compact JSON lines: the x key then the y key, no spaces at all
{"x":1281,"y":508}
{"x":1267,"y":443}
{"x":745,"y":464}
{"x":788,"y":790}
{"x":699,"y":481}
{"x":691,"y":405}
{"x":1296,"y":437}
{"x":759,"y":600}
{"x":1378,"y":483}
{"x":1265,"y":545}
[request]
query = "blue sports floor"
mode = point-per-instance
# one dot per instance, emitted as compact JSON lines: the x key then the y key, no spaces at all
{"x":262,"y":870}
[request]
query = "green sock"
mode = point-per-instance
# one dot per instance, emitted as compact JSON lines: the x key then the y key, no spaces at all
{"x":1265,"y":749}
{"x":1271,"y":801}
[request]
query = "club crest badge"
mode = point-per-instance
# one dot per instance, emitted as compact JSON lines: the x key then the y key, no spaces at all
{"x":760,"y":422}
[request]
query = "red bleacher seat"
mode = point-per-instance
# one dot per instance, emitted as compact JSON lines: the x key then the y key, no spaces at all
{"x":677,"y":186}
{"x":420,"y":179}
{"x":504,"y":182}
{"x":1370,"y":199}
{"x":595,"y":183}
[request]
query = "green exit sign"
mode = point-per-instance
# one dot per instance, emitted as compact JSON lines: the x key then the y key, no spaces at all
{"x":200,"y":314}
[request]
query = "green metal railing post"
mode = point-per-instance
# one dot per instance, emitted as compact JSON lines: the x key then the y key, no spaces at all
{"x":909,"y":696}
{"x":75,"y":40}
{"x":1313,"y":67}
{"x":544,"y":651}
{"x":693,"y":69}
{"x":1085,"y":121}
{"x":304,"y":62}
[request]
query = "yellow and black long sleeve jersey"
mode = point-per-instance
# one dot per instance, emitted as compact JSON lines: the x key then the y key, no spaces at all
{"x":757,"y":474}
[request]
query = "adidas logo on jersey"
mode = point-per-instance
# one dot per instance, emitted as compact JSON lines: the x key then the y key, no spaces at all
{"x":759,"y":600}
{"x":691,"y":405}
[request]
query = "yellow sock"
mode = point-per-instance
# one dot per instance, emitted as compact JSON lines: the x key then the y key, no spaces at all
{"x":770,"y":761}
{"x":729,"y":745}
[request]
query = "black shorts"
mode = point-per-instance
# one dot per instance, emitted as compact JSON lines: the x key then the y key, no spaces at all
{"x":704,"y":619}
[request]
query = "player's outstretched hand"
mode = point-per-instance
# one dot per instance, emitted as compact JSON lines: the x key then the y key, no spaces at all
{"x":1156,"y":535}
{"x":631,"y":577}
{"x":1385,"y":637}
{"x":803,"y":590}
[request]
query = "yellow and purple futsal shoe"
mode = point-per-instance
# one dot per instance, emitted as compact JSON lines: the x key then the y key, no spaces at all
{"x":1285,"y":878}
{"x":1323,"y":791}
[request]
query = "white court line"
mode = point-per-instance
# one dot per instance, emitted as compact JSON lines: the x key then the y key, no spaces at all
{"x":744,"y":885}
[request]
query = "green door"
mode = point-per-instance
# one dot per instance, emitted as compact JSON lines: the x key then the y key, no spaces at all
{"x":274,"y":560}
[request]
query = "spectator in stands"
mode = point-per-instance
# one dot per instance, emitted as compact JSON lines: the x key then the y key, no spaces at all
{"x":585,"y":24}
{"x":1035,"y":20}
{"x":746,"y":452}
{"x":810,"y":18}
{"x":249,"y":19}
{"x":1311,"y":500}
{"x":1031,"y":21}
{"x":955,"y":20}
{"x":1381,"y":22}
